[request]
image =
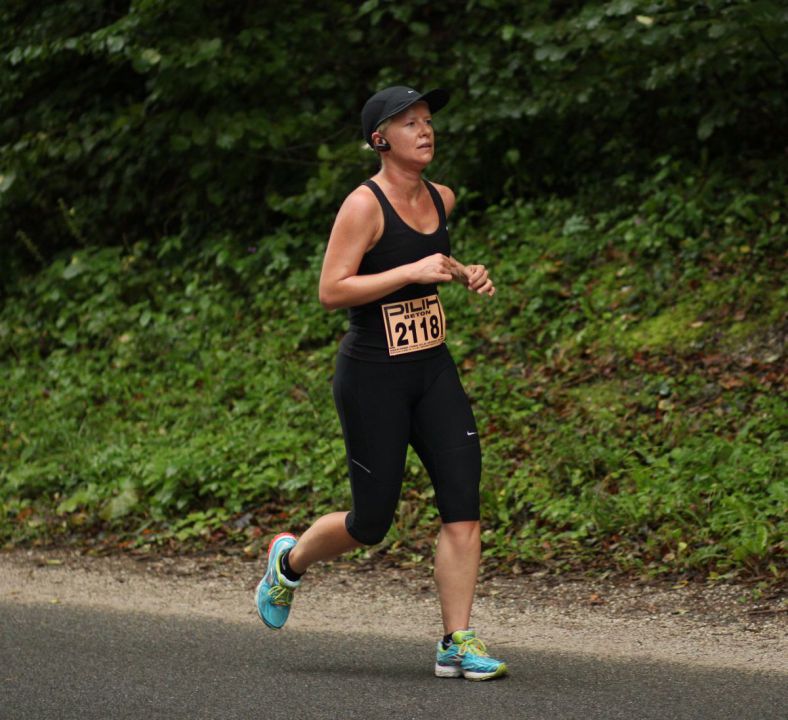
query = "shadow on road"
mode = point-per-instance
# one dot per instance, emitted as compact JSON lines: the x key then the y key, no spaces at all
{"x":64,"y":662}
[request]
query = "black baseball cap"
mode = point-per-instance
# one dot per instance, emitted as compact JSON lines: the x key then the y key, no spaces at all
{"x":387,"y":103}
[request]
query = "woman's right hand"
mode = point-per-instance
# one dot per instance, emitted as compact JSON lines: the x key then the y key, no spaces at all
{"x":431,"y":269}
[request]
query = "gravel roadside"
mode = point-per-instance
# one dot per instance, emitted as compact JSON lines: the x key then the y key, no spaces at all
{"x":714,"y":625}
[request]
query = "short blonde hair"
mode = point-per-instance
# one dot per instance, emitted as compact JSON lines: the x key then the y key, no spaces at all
{"x":384,"y":126}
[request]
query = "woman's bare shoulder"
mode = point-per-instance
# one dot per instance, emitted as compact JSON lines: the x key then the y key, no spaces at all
{"x":447,"y":195}
{"x":361,"y":200}
{"x":360,"y":218}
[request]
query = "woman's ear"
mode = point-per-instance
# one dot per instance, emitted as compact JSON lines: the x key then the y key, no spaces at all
{"x":380,"y":143}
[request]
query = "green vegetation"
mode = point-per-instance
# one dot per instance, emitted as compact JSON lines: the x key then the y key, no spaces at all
{"x":168,"y":175}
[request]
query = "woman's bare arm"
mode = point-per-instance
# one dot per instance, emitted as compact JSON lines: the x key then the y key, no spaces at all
{"x":474,"y":277}
{"x":357,"y":224}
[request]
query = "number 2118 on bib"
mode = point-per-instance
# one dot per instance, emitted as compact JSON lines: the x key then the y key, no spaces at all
{"x":413,"y":325}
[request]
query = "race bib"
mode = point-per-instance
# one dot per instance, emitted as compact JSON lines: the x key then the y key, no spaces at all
{"x":413,"y":325}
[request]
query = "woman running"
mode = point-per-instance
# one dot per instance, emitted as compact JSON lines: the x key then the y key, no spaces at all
{"x":395,"y":382}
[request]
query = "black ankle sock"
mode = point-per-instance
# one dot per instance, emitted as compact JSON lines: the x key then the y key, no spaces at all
{"x":287,"y":571}
{"x":447,"y":641}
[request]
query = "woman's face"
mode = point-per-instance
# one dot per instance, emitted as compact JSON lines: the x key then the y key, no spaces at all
{"x":410,"y":134}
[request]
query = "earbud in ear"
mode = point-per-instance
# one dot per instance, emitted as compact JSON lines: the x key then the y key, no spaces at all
{"x":382,"y":145}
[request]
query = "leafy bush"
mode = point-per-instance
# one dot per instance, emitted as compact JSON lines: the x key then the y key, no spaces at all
{"x":199,"y":121}
{"x":169,"y":173}
{"x":148,"y":392}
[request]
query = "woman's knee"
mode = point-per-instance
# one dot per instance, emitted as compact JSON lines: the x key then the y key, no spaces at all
{"x":368,"y":536}
{"x":463,"y":531}
{"x":367,"y":533}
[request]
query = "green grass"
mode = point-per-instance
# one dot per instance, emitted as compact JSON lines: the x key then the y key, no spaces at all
{"x":628,"y":395}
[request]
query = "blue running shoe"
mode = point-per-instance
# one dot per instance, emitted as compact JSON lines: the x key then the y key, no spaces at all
{"x":467,"y":657}
{"x":274,"y":592}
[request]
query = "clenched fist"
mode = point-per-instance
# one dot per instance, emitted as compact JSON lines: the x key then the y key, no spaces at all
{"x":478,"y":280}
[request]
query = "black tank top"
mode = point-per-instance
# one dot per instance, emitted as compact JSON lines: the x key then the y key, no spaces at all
{"x":399,"y":244}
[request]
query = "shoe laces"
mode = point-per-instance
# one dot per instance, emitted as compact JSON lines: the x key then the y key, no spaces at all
{"x":473,"y":646}
{"x":280,"y":595}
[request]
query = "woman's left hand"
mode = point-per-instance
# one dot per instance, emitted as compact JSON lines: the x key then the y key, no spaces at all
{"x":478,"y":280}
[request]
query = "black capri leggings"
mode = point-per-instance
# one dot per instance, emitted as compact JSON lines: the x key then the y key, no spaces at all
{"x":383,"y":407}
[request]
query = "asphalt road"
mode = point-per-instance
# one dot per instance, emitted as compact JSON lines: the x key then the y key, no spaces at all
{"x":61,"y":662}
